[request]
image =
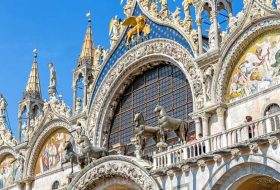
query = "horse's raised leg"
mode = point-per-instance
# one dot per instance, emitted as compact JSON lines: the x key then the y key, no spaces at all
{"x":72,"y":166}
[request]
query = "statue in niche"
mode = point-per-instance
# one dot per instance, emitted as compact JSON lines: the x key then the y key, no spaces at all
{"x":3,"y":105}
{"x":114,"y":32}
{"x":144,"y":132}
{"x":167,"y":123}
{"x":208,"y":77}
{"x":52,"y":76}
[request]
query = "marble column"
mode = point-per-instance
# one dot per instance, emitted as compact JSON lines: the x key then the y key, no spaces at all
{"x":85,"y":95}
{"x":221,"y":121}
{"x":198,"y":130}
{"x":221,"y":118}
{"x":199,"y":30}
{"x":205,"y":127}
{"x":217,"y":30}
{"x":74,"y":97}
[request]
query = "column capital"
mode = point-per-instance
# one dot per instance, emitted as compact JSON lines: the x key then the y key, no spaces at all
{"x":205,"y":116}
{"x":220,"y":111}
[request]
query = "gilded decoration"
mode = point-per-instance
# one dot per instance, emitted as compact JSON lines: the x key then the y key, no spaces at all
{"x":257,"y":69}
{"x":51,"y":153}
{"x":9,"y":172}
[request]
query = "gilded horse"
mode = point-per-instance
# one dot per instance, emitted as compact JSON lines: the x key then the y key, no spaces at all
{"x":144,"y":132}
{"x":168,"y":123}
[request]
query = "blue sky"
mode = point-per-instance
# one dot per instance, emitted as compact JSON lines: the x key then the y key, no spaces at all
{"x":56,"y":28}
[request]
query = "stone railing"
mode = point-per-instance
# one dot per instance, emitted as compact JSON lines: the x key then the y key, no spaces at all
{"x":228,"y":139}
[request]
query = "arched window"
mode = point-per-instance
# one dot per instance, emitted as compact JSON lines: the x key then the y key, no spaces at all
{"x":271,"y":109}
{"x":165,"y":85}
{"x":55,"y":185}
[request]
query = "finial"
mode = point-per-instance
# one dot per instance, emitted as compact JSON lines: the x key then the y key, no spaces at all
{"x":35,"y":53}
{"x":89,"y":16}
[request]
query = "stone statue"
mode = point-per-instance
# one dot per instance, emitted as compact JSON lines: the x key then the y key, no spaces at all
{"x":164,"y":9}
{"x":71,"y":156}
{"x":168,"y":123}
{"x":208,"y":77}
{"x":3,"y":105}
{"x":52,"y":76}
{"x":176,"y":16}
{"x":97,"y":56}
{"x":104,"y":54}
{"x":114,"y":32}
{"x":127,"y":8}
{"x":232,"y":22}
{"x":278,"y":4}
{"x":88,"y":150}
{"x":186,"y":5}
{"x":144,"y":132}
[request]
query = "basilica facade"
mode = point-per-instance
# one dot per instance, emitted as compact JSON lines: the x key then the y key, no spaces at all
{"x":186,"y":98}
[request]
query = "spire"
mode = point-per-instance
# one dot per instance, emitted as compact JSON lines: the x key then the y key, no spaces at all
{"x":33,"y":87}
{"x":88,"y":46}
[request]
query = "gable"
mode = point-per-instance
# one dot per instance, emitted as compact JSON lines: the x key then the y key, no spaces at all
{"x":157,"y":31}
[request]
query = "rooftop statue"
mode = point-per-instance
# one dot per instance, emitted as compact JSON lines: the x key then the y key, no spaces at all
{"x":52,"y":76}
{"x":3,"y":105}
{"x":139,"y":25}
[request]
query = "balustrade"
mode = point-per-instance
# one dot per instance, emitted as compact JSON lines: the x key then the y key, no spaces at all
{"x":226,"y":139}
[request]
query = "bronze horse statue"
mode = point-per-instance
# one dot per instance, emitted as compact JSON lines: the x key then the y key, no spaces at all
{"x":169,"y":123}
{"x":144,"y":132}
{"x":71,"y":156}
{"x":89,"y":151}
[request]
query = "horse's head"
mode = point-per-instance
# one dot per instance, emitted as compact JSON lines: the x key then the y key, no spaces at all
{"x":138,"y":119}
{"x":68,"y":145}
{"x":158,"y":109}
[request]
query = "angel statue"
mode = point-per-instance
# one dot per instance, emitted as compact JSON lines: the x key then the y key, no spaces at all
{"x":114,"y":31}
{"x":139,"y":25}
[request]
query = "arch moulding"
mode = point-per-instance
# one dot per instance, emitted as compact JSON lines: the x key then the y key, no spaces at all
{"x":111,"y":167}
{"x":229,"y":173}
{"x":37,"y":143}
{"x":135,"y":61}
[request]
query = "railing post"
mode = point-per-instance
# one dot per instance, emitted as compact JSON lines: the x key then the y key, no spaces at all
{"x":224,"y":140}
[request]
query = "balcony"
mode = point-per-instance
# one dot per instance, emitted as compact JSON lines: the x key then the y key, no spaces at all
{"x":254,"y":132}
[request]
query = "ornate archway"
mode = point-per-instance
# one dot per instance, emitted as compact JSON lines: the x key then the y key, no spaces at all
{"x":236,"y":171}
{"x":135,"y":61}
{"x":38,"y":142}
{"x":229,"y":59}
{"x":114,"y":171}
